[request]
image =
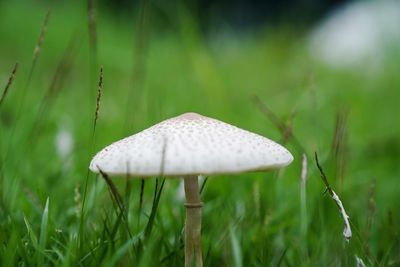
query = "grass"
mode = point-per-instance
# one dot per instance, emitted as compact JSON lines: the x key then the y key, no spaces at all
{"x":248,"y":220}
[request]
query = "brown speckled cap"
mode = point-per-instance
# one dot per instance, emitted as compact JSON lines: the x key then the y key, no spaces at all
{"x":190,"y":144}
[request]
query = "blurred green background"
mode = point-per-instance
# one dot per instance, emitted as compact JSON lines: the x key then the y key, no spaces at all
{"x":334,"y":88}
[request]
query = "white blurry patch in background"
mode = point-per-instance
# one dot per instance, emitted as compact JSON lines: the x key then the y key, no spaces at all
{"x":64,"y":143}
{"x":357,"y":33}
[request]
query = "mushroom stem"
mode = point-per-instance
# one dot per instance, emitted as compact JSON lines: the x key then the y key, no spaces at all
{"x":193,"y":222}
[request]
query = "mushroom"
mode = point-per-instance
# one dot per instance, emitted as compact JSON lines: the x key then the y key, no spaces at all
{"x":187,"y":146}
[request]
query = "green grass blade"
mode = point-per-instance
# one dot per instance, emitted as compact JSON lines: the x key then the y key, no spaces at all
{"x":236,"y":250}
{"x":31,"y":233}
{"x":123,"y":250}
{"x":43,"y":233}
{"x":152,"y":217}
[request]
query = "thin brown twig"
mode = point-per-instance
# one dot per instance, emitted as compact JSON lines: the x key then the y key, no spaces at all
{"x":323,"y":176}
{"x":347,"y":229}
{"x":9,"y":83}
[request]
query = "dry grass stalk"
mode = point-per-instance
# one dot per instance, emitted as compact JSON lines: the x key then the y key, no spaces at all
{"x":92,"y":29}
{"x":113,"y":189}
{"x":284,"y":129}
{"x":340,"y":132}
{"x":96,"y":116}
{"x":313,"y":105}
{"x":36,"y":53}
{"x":63,"y":68}
{"x":39,"y":43}
{"x":392,"y":227}
{"x":92,"y":34}
{"x":313,"y":93}
{"x":141,"y":40}
{"x":339,"y":146}
{"x":139,"y":64}
{"x":22,"y":101}
{"x":370,"y":215}
{"x":117,"y":199}
{"x":99,"y":92}
{"x":347,"y":229}
{"x":61,"y":73}
{"x":9,"y":83}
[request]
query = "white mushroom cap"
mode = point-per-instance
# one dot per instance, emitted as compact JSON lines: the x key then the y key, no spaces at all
{"x":190,"y":144}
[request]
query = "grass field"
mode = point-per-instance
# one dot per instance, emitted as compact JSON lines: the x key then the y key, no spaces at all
{"x":54,"y":213}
